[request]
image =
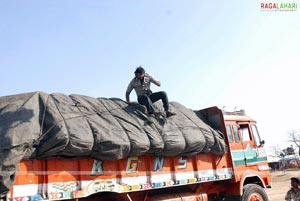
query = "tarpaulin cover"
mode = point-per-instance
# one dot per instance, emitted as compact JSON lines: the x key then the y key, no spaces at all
{"x":39,"y":125}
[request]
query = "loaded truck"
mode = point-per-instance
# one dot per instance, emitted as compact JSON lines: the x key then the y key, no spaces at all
{"x":241,"y":173}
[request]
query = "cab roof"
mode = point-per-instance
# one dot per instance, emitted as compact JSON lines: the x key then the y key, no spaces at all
{"x":236,"y":116}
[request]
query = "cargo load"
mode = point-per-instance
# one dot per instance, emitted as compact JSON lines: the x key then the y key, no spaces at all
{"x":38,"y":125}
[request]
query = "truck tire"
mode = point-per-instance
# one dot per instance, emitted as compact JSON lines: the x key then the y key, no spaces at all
{"x":253,"y":192}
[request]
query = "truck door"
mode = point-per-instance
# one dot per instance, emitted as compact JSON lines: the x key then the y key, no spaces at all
{"x":247,"y":147}
{"x":254,"y":152}
{"x":237,"y":145}
{"x":247,"y":143}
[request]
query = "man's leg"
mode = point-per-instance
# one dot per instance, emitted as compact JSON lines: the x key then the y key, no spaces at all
{"x":161,"y":95}
{"x":145,"y":100}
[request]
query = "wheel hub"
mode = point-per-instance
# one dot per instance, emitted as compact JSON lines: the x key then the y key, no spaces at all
{"x":256,"y":197}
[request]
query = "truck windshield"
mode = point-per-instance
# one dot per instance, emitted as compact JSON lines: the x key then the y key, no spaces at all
{"x":255,"y":135}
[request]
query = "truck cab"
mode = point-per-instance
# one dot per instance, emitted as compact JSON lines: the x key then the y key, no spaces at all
{"x":246,"y":149}
{"x":248,"y":155}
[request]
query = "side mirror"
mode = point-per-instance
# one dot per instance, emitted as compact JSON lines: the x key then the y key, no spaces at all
{"x":262,"y":142}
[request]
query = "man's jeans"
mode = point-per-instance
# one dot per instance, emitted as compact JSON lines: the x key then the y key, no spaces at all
{"x":148,"y":100}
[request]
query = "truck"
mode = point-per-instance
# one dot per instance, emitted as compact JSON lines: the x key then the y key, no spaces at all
{"x":242,"y":173}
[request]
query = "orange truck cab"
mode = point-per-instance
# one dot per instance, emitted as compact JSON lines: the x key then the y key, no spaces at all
{"x":241,"y":173}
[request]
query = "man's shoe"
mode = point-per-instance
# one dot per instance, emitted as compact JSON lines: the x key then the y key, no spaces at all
{"x":169,"y":114}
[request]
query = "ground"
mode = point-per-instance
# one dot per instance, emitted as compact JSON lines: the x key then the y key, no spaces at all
{"x":281,"y":184}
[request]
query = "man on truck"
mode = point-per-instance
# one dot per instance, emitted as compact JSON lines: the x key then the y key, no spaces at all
{"x":141,"y":84}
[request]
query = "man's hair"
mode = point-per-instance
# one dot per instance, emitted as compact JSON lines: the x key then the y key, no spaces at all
{"x":295,"y":179}
{"x":139,"y":69}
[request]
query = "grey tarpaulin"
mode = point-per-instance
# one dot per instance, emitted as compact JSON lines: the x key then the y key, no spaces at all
{"x":39,"y":125}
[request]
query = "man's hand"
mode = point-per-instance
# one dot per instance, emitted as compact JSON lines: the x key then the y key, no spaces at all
{"x":157,"y":83}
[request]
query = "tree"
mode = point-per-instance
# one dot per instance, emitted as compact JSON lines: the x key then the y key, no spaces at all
{"x":294,"y":137}
{"x":289,"y":150}
{"x":283,"y":152}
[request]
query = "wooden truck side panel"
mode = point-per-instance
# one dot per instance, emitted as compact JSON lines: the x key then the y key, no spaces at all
{"x":66,"y":178}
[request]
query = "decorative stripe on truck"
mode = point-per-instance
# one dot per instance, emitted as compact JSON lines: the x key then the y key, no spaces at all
{"x":252,"y":155}
{"x":132,"y":180}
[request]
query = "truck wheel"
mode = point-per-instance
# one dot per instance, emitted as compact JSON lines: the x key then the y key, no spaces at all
{"x":253,"y":192}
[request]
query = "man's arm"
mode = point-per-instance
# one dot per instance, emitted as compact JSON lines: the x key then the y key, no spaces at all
{"x":288,"y":196}
{"x":127,"y":95}
{"x":154,"y":81}
{"x":128,"y":91}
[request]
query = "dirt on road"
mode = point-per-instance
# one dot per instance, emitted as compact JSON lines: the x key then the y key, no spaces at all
{"x":281,"y":183}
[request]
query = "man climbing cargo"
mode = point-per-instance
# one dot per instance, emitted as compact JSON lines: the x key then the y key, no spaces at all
{"x":141,"y":84}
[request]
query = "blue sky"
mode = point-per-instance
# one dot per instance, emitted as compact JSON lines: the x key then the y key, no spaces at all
{"x":205,"y":53}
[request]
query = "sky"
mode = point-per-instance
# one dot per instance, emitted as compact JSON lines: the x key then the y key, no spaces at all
{"x":205,"y":53}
